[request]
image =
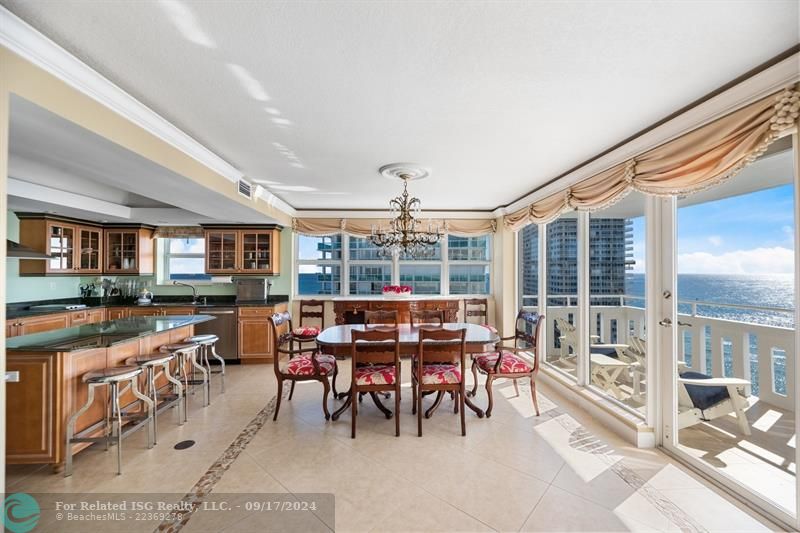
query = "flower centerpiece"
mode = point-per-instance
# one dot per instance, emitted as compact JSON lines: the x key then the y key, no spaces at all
{"x":396,"y":291}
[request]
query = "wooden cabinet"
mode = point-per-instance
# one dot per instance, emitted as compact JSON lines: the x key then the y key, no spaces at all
{"x":255,"y":333}
{"x":38,"y":324}
{"x":178,"y":310}
{"x":243,"y":251}
{"x":115,"y":313}
{"x":129,"y":250}
{"x":352,"y":311}
{"x":145,"y":311}
{"x":74,"y":247}
{"x":96,"y":315}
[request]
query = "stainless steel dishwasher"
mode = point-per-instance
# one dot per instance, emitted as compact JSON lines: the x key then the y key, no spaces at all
{"x":224,"y":326}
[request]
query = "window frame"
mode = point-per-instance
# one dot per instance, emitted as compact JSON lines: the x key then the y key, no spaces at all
{"x":163,"y":276}
{"x":345,"y":262}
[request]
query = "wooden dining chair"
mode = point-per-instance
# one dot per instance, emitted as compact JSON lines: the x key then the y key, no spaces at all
{"x":375,"y":368}
{"x":298,"y":364}
{"x":427,"y":316}
{"x":438,"y":367}
{"x":310,"y":309}
{"x":520,"y":361}
{"x":386,"y":317}
{"x":478,"y":307}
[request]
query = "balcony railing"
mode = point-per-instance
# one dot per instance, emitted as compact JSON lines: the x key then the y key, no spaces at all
{"x":762,"y":353}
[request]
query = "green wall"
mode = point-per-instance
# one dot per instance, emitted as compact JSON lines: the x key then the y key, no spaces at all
{"x":21,"y":289}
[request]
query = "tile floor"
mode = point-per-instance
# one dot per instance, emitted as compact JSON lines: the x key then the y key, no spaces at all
{"x":512,"y":472}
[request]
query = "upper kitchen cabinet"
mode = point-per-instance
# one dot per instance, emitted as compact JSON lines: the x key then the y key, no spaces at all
{"x":129,"y":250}
{"x":243,"y":250}
{"x":74,"y":247}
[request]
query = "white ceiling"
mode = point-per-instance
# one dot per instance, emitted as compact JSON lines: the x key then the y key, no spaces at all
{"x":59,"y":167}
{"x":496,"y":97}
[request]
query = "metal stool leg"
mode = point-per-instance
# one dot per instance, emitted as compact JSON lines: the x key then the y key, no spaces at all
{"x":206,"y":383}
{"x":116,"y":423}
{"x":71,"y":429}
{"x":222,"y":364}
{"x":178,"y":389}
{"x":151,"y":382}
{"x":207,"y":364}
{"x":151,"y":409}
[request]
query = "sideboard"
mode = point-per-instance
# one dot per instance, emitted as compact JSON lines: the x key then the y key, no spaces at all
{"x":351,"y":311}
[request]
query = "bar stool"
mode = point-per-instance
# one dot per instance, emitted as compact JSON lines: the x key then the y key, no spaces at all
{"x":149,"y":363}
{"x":187,"y":352}
{"x":209,"y":342}
{"x":112,"y":378}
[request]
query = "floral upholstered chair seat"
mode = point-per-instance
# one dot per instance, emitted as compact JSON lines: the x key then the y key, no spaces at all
{"x":303,"y":366}
{"x":306,"y":331}
{"x":434,"y":374}
{"x":376,"y":374}
{"x":511,"y":364}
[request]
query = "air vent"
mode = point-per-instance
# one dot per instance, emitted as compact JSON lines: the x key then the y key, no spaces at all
{"x":245,"y":189}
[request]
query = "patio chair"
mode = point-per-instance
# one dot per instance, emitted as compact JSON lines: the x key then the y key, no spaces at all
{"x":703,"y":398}
{"x":569,"y":337}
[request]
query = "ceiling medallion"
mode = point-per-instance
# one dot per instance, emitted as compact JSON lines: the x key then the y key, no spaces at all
{"x":404,"y":234}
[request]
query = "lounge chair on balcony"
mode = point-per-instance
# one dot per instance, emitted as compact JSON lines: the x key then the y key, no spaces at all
{"x":569,"y":338}
{"x":703,"y":398}
{"x":636,"y":354}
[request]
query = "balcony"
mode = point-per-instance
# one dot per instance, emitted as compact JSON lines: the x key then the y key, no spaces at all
{"x":760,"y":353}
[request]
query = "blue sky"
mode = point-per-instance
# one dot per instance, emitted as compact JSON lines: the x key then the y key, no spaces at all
{"x":748,"y":234}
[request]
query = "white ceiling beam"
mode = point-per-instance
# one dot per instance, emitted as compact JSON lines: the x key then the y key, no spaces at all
{"x":32,"y":191}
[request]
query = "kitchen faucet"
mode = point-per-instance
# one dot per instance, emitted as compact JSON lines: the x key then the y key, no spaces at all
{"x":194,"y":290}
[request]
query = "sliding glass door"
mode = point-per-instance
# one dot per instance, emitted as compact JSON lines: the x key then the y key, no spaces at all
{"x":731,"y":326}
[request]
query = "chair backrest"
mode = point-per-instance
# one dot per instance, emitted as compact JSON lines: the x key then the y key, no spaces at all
{"x":380,"y":317}
{"x":478,"y":307}
{"x":281,"y":324}
{"x":438,"y":345}
{"x":427,"y":316}
{"x":527,"y":332}
{"x":376,"y":345}
{"x":312,"y":309}
{"x":568,"y":331}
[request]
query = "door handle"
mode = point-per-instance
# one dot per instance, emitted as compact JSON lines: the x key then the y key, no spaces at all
{"x":12,"y":376}
{"x":684,"y":324}
{"x":217,"y":312}
{"x":667,"y":323}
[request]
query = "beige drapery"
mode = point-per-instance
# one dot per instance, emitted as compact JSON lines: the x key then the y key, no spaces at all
{"x":178,"y":232}
{"x":693,"y":162}
{"x":361,"y":227}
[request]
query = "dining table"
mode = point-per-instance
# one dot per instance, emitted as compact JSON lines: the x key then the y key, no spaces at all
{"x":337,"y":341}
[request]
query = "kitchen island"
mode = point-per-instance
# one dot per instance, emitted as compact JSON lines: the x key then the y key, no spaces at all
{"x":50,"y":387}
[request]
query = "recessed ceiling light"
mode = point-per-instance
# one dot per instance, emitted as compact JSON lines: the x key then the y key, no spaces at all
{"x":281,"y":121}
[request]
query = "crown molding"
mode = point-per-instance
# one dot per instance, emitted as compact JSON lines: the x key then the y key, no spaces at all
{"x":749,"y":90}
{"x":30,"y":44}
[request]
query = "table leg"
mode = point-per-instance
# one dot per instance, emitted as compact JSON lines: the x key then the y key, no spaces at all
{"x":478,"y":411}
{"x":343,"y":408}
{"x":379,"y":405}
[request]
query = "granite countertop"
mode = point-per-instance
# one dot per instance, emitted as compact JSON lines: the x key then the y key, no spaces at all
{"x":101,"y":335}
{"x":380,"y":298}
{"x":23,"y":309}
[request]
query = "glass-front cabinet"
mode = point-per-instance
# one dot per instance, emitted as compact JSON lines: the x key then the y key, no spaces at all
{"x":221,"y":252}
{"x":243,"y":251}
{"x":90,"y":249}
{"x":129,"y":250}
{"x":60,"y":247}
{"x":74,"y":247}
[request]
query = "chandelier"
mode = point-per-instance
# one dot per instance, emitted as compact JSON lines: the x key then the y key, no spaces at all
{"x":404,"y":234}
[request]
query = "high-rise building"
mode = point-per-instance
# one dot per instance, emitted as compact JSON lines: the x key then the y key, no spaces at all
{"x":610,"y":255}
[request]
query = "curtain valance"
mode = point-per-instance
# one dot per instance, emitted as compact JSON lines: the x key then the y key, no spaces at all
{"x":178,"y":232}
{"x":362,"y":227}
{"x":693,"y":162}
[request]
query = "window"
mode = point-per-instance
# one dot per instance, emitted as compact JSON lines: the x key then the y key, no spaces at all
{"x":319,"y":265}
{"x":369,"y":272}
{"x":185,"y":259}
{"x":343,"y":264}
{"x":528,"y":256}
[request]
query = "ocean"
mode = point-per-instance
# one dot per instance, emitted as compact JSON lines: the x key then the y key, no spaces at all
{"x":775,"y":291}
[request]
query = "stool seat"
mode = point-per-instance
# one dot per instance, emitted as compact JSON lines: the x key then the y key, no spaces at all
{"x":153,"y":359}
{"x":177,"y":346}
{"x":202,"y":339}
{"x":112,"y":374}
